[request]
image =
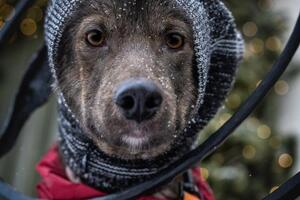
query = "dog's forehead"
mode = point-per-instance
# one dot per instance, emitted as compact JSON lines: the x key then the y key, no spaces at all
{"x":137,"y":11}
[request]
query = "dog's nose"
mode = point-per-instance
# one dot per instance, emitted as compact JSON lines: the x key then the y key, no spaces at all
{"x":139,"y":99}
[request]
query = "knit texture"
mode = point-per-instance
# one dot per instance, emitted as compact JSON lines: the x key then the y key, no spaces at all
{"x":218,"y":50}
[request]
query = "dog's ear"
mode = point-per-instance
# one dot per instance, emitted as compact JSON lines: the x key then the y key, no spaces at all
{"x":226,"y":53}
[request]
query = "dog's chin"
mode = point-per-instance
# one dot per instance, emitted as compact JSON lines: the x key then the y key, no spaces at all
{"x":140,"y":142}
{"x":143,"y":147}
{"x":136,"y":144}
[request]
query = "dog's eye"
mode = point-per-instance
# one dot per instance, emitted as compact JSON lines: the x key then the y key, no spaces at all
{"x":174,"y":40}
{"x":95,"y":38}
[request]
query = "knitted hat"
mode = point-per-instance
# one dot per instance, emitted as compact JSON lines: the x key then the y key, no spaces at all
{"x":218,"y":49}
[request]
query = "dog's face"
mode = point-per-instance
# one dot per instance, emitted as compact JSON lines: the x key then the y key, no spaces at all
{"x":126,"y":70}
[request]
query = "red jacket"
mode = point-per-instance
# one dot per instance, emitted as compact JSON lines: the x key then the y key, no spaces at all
{"x":56,"y":186}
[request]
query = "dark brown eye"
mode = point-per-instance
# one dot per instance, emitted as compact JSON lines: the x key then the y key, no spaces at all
{"x":174,"y":40}
{"x":95,"y":38}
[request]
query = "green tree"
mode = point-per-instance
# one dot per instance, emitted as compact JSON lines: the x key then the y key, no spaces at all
{"x":256,"y":159}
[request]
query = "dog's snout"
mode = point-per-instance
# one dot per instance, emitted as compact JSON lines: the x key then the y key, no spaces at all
{"x":139,"y":100}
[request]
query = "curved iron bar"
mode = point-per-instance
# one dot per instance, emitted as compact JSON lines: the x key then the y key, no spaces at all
{"x":33,"y":92}
{"x":214,"y":141}
{"x":7,"y":192}
{"x":289,"y":190}
{"x":10,"y":25}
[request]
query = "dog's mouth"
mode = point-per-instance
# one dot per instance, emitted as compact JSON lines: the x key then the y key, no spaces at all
{"x":136,"y":136}
{"x":135,"y":141}
{"x":129,"y":139}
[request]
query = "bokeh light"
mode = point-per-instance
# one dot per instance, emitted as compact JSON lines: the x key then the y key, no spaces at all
{"x":285,"y":160}
{"x":249,"y":152}
{"x":281,"y":88}
{"x":264,"y":132}
{"x":274,"y":188}
{"x":28,"y":27}
{"x":256,"y":46}
{"x":233,"y":101}
{"x":250,"y":29}
{"x":274,"y":44}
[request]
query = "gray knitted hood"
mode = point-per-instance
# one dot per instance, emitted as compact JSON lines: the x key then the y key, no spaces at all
{"x":218,"y":48}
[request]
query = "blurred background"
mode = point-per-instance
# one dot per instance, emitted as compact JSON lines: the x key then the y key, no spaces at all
{"x":261,"y":155}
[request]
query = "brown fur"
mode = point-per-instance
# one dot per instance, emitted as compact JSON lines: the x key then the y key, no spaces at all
{"x":135,"y":48}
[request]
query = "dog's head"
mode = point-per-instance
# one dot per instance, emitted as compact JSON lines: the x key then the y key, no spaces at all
{"x":129,"y":73}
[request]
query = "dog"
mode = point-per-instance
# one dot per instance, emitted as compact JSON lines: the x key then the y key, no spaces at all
{"x":129,"y":74}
